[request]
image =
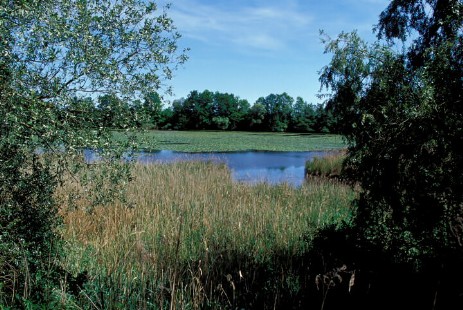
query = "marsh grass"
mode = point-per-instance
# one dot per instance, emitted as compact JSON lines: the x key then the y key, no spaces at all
{"x":329,"y":166}
{"x":188,"y":233}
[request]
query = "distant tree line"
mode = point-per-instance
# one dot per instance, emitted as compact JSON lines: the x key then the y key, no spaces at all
{"x":204,"y":110}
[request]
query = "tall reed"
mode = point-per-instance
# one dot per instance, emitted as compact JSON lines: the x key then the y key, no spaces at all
{"x":164,"y":245}
{"x":329,"y":166}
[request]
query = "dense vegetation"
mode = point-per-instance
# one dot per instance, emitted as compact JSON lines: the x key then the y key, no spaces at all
{"x":177,"y":243}
{"x":189,"y":237}
{"x":233,"y":141}
{"x":205,"y":110}
{"x":51,"y":52}
{"x":329,"y":166}
{"x":402,"y":114}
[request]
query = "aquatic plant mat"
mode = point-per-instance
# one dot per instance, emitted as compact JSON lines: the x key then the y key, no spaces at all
{"x":234,"y":141}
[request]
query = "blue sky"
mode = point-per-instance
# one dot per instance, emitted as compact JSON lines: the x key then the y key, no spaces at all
{"x":253,"y":48}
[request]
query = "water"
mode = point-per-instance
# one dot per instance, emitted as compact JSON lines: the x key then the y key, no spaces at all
{"x":249,"y":167}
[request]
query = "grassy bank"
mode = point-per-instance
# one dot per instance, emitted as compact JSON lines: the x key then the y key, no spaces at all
{"x":230,"y":141}
{"x":328,"y":166}
{"x":189,"y":237}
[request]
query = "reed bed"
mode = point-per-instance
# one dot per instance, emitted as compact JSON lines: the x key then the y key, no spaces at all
{"x":166,"y":245}
{"x":329,"y":166}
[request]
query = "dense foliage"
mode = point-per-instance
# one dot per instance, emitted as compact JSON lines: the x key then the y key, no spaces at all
{"x":207,"y":110}
{"x":52,"y":53}
{"x":402,"y":114}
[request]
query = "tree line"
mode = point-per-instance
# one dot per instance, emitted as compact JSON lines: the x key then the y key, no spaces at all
{"x":204,"y":110}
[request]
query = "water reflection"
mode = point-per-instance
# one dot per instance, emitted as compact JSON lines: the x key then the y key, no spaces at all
{"x":249,"y":167}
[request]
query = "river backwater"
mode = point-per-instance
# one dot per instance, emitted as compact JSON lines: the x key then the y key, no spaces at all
{"x":249,"y":167}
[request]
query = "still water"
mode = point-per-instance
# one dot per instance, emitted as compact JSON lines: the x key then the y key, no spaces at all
{"x":249,"y":167}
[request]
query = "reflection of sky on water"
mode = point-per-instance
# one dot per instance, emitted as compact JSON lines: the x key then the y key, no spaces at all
{"x":250,"y":167}
{"x":291,"y":175}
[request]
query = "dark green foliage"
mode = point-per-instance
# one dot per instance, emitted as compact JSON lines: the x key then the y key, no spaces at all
{"x":229,"y":110}
{"x":179,"y":119}
{"x":431,"y":23}
{"x":166,"y":118}
{"x":28,"y":213}
{"x":198,"y":109}
{"x":402,"y":115}
{"x":207,"y":110}
{"x":112,"y":111}
{"x":28,"y":221}
{"x":81,"y":113}
{"x":224,"y":111}
{"x":303,"y":117}
{"x":257,"y":116}
{"x":151,"y":110}
{"x":277,"y":111}
{"x":373,"y":279}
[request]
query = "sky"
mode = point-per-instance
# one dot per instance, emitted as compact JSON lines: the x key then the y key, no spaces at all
{"x":254,"y":48}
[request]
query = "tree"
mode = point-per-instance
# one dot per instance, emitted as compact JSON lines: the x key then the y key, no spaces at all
{"x":113,"y":112}
{"x":302,"y":116}
{"x":257,"y":115}
{"x":81,"y":113}
{"x":179,"y":114}
{"x":229,"y":110}
{"x":402,"y":115}
{"x":278,"y":111}
{"x":198,"y":109}
{"x":325,"y":121}
{"x":240,"y":115}
{"x":434,"y":23}
{"x":152,"y":108}
{"x":137,"y":113}
{"x":166,"y":119}
{"x":52,"y":52}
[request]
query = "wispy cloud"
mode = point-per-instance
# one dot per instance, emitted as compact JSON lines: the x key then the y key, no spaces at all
{"x":267,"y":26}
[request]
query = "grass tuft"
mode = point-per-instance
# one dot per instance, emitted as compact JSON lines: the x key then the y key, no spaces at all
{"x":329,"y":166}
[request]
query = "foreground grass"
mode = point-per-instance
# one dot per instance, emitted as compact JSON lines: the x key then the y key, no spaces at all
{"x":232,"y":141}
{"x":189,"y":237}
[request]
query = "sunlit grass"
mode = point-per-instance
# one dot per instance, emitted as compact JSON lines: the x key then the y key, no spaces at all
{"x":181,"y":218}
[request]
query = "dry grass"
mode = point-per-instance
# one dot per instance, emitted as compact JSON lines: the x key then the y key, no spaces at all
{"x":192,"y":212}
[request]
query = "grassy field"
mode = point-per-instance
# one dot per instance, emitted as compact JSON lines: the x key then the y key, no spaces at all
{"x":188,"y":237}
{"x":230,"y":141}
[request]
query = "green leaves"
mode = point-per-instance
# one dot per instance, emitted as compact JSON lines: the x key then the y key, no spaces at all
{"x":401,"y":116}
{"x":53,"y":54}
{"x":122,"y":46}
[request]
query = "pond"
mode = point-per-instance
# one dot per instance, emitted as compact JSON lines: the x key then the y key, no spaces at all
{"x":249,"y":167}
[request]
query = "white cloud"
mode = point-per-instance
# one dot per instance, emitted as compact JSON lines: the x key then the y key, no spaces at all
{"x":259,"y":41}
{"x":263,"y":27}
